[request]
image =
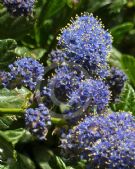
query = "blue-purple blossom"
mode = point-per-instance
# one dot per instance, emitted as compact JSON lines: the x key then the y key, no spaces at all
{"x":65,"y":80}
{"x":104,"y":141}
{"x":38,"y":121}
{"x":86,"y":42}
{"x":116,"y":82}
{"x":25,"y":71}
{"x":93,"y":94}
{"x":19,"y":7}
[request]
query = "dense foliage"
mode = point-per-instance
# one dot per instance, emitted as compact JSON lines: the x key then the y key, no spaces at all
{"x":67,"y":87}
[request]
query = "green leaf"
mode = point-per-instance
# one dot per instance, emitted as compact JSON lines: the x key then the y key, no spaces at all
{"x":22,"y":51}
{"x":7,"y":150}
{"x":5,"y":122}
{"x":14,"y":27}
{"x":117,"y":5}
{"x":81,"y":164}
{"x":60,"y":163}
{"x":115,"y":58}
{"x":127,"y":100}
{"x":23,"y":162}
{"x":38,"y":53}
{"x":42,"y":156}
{"x":119,"y":31}
{"x":4,"y":167}
{"x":7,"y":44}
{"x":96,"y":5}
{"x":7,"y":54}
{"x":13,"y":136}
{"x":57,"y":163}
{"x":128,"y":66}
{"x":16,"y":98}
{"x":44,"y":165}
{"x":50,"y":9}
{"x":53,"y":7}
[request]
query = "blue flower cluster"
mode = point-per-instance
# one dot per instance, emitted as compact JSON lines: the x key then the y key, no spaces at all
{"x":38,"y":121}
{"x":19,"y":7}
{"x":86,"y":42}
{"x":116,"y":82}
{"x":65,"y":80}
{"x":104,"y":141}
{"x":93,"y":94}
{"x":26,"y":71}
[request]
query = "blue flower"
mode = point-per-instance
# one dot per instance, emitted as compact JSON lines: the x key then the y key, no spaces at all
{"x":86,"y":42}
{"x":116,"y":82}
{"x":25,"y":71}
{"x":65,"y":80}
{"x":19,"y":7}
{"x":104,"y":141}
{"x":38,"y":121}
{"x":93,"y":94}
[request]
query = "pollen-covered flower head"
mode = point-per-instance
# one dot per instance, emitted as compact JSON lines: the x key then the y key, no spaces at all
{"x":93,"y":94}
{"x":19,"y":7}
{"x":87,"y":43}
{"x":104,"y":141}
{"x":25,"y":71}
{"x":38,"y":121}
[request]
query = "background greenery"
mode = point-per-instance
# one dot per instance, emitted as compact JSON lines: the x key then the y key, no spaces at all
{"x":36,"y":36}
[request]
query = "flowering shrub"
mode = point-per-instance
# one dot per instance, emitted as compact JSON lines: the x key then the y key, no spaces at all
{"x":66,"y":101}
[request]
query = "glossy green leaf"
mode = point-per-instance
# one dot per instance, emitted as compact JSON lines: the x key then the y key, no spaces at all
{"x":22,"y":51}
{"x":119,"y":31}
{"x":127,"y":100}
{"x":50,"y":9}
{"x":7,"y":54}
{"x":24,"y":161}
{"x":58,"y":163}
{"x":7,"y":150}
{"x":4,"y":167}
{"x":128,"y":66}
{"x":25,"y":52}
{"x":16,"y":98}
{"x":13,"y":136}
{"x":7,"y":44}
{"x":6,"y":121}
{"x":115,"y":58}
{"x":42,"y":156}
{"x":38,"y":53}
{"x":117,"y":5}
{"x":14,"y":27}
